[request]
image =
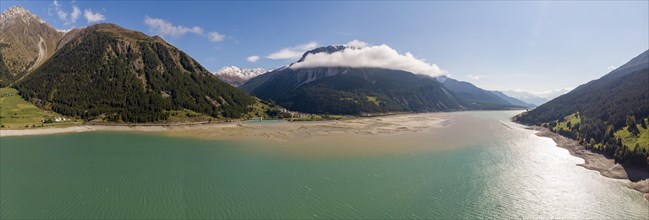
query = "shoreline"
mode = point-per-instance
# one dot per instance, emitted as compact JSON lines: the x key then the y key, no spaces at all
{"x":144,"y":127}
{"x":183,"y":126}
{"x":148,"y":126}
{"x":110,"y":127}
{"x":384,"y":132}
{"x":594,"y":161}
{"x":77,"y":129}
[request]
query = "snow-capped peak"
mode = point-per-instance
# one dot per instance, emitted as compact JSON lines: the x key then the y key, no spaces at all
{"x":16,"y":12}
{"x":240,"y":72}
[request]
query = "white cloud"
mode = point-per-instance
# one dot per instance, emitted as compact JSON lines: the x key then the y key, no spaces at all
{"x":216,"y":37}
{"x":381,"y":56}
{"x":611,"y":67}
{"x":356,"y":43}
{"x":164,"y":28}
{"x":292,"y":52}
{"x":59,"y":11}
{"x":476,"y":77}
{"x":93,"y":16}
{"x":252,"y":59}
{"x":75,"y":14}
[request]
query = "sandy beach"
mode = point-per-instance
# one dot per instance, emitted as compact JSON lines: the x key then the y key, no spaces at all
{"x":275,"y":130}
{"x":597,"y":162}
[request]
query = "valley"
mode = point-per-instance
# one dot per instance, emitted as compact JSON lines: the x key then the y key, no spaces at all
{"x":260,"y":110}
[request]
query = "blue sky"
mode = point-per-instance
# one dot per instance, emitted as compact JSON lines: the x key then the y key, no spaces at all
{"x":530,"y":46}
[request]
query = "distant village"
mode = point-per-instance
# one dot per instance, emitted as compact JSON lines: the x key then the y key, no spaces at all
{"x":54,"y":119}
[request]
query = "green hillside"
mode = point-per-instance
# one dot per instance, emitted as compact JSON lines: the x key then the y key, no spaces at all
{"x":115,"y":74}
{"x":367,"y":90}
{"x":357,"y":91}
{"x":608,"y":115}
{"x":16,"y":113}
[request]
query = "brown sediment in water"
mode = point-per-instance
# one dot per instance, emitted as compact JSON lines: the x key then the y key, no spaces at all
{"x":376,"y":135}
{"x":359,"y":136}
{"x":392,"y":134}
{"x":285,"y":131}
{"x":381,"y":135}
{"x":594,"y":161}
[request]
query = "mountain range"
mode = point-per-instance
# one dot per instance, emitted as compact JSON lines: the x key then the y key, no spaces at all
{"x":108,"y":73}
{"x":476,"y":98}
{"x":104,"y":72}
{"x":513,"y":100}
{"x":358,"y":90}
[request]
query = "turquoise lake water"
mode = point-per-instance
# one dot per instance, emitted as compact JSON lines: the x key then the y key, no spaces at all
{"x":494,"y":169}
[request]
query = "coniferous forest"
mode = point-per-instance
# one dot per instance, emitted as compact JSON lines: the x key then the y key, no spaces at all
{"x":603,"y":108}
{"x":123,"y":75}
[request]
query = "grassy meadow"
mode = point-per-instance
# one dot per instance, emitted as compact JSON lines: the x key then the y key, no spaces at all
{"x":16,"y":113}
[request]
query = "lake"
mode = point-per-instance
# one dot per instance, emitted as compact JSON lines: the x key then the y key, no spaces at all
{"x":479,"y":164}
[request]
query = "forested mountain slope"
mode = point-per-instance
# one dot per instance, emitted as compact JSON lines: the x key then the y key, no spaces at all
{"x":607,"y":115}
{"x":476,"y":98}
{"x":354,"y":91}
{"x":106,"y":71}
{"x":357,"y":90}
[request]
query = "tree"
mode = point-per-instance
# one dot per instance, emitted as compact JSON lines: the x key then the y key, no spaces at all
{"x":593,"y":142}
{"x":610,"y":131}
{"x":630,"y":122}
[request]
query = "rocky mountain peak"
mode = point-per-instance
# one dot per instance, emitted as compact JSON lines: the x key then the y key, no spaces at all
{"x":240,"y":72}
{"x":25,"y":42}
{"x":18,"y":12}
{"x":327,"y":49}
{"x":237,"y":76}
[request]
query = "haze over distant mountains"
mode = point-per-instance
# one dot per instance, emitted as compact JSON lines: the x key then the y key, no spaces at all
{"x":536,"y":98}
{"x":513,"y":100}
{"x":477,"y":98}
{"x":526,"y":97}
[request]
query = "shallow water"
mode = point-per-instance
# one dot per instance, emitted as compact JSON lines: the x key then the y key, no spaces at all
{"x":479,"y":165}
